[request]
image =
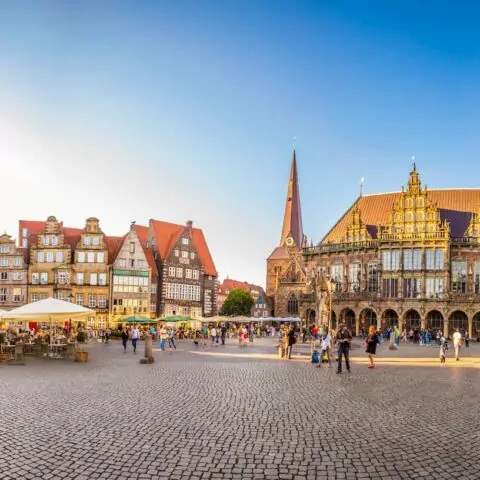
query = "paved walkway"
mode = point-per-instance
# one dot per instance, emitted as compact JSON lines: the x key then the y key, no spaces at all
{"x":229,"y":413}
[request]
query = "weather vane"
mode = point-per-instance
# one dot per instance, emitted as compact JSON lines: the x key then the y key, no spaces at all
{"x":413,"y":161}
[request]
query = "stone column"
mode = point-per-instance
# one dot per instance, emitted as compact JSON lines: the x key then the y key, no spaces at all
{"x":357,"y":325}
{"x":379,"y":321}
{"x":423,"y":323}
{"x":445,"y":328}
{"x":470,"y":327}
{"x":148,"y":350}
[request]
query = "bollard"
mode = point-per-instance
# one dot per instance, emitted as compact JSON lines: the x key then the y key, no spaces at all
{"x":148,"y":350}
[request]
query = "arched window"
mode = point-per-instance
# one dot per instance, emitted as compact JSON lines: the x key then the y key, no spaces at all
{"x":292,"y":305}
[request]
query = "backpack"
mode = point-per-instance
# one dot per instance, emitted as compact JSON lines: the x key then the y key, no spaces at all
{"x":315,"y":357}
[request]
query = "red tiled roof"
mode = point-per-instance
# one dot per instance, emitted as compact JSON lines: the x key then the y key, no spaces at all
{"x":142,"y":233}
{"x":280,"y":253}
{"x":72,"y":236}
{"x":455,"y":206}
{"x":230,"y":284}
{"x":113,"y":246}
{"x":167,"y":235}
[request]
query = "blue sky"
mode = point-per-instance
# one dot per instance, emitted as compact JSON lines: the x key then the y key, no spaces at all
{"x":187,"y":109}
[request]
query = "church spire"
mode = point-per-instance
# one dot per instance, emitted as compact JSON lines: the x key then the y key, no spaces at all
{"x":292,"y":219}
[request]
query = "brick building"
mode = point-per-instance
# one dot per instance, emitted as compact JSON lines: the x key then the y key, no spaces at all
{"x":262,"y":306}
{"x":187,"y":277}
{"x":410,"y":258}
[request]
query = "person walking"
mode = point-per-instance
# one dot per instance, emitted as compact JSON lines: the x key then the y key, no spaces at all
{"x":457,"y":343}
{"x":124,"y":340}
{"x":467,"y":339}
{"x":223,"y":333}
{"x":371,"y":345}
{"x":213,"y":334}
{"x":171,"y":339}
{"x":344,"y":337}
{"x":163,"y":337}
{"x":443,"y":350}
{"x":135,"y":337}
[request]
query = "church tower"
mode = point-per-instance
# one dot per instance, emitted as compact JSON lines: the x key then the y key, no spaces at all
{"x":285,"y":264}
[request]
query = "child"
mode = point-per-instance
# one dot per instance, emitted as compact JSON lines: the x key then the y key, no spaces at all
{"x":443,"y":350}
{"x":325,"y":348}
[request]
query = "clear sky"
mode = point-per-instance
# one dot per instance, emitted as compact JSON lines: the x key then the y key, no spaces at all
{"x":186,"y":110}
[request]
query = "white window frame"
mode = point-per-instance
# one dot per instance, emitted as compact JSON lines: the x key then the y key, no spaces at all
{"x":40,"y":257}
{"x":93,"y":278}
{"x":50,"y":258}
{"x":92,"y":301}
{"x":54,"y":241}
{"x":80,"y":278}
{"x":81,"y":257}
{"x":184,"y":254}
{"x":102,"y":279}
{"x":79,"y":296}
{"x":90,"y":257}
{"x":44,"y":278}
{"x":35,"y":278}
{"x":59,"y":257}
{"x":96,"y":240}
{"x":179,"y":272}
{"x":188,"y":273}
{"x":196,"y":274}
{"x":101,"y":257}
{"x":4,"y":262}
{"x":17,"y":261}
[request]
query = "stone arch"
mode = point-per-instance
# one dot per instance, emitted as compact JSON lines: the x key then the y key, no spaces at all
{"x":476,"y":325}
{"x":292,"y":304}
{"x":390,"y":318}
{"x":457,"y":319}
{"x":412,"y":319}
{"x":347,"y":315}
{"x":435,"y":320}
{"x":368,"y":317}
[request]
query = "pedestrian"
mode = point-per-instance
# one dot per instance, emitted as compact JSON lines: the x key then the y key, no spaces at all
{"x":467,"y":339}
{"x":371,"y":345}
{"x":135,"y":337}
{"x":171,"y":339}
{"x":163,"y":337}
{"x":443,"y":350}
{"x":213,"y":334}
{"x":457,"y":343}
{"x":108,"y":334}
{"x":223,"y":333}
{"x":124,"y":340}
{"x":344,"y":337}
{"x":326,"y":340}
{"x":291,"y":338}
{"x":205,"y":334}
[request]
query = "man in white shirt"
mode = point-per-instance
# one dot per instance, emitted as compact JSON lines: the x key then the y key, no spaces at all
{"x":213,"y":334}
{"x":135,"y":337}
{"x":457,"y":343}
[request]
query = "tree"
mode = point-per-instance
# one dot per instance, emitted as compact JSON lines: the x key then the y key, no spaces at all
{"x":238,"y":302}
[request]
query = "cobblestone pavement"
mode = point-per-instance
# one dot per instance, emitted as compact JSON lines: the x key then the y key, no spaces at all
{"x":192,"y":416}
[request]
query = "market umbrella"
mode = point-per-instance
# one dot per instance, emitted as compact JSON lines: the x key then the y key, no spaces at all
{"x":175,"y":318}
{"x":48,"y":309}
{"x":137,"y":319}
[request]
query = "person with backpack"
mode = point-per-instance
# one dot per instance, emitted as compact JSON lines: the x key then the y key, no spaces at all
{"x":171,"y":339}
{"x":371,"y":345}
{"x":325,"y":342}
{"x":124,"y":339}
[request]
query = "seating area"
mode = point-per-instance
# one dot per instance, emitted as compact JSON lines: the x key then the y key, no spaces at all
{"x":18,"y":349}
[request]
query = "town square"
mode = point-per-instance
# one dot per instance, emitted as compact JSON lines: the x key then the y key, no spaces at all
{"x":239,"y":240}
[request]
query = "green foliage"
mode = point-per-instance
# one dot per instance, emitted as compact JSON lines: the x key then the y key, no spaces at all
{"x":238,"y":302}
{"x":2,"y":338}
{"x":81,"y":337}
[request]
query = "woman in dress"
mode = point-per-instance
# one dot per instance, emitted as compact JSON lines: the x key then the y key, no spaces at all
{"x":371,"y":345}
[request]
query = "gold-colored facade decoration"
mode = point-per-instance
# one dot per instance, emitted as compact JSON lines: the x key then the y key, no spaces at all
{"x":414,"y":217}
{"x":473,"y":230}
{"x":356,"y":231}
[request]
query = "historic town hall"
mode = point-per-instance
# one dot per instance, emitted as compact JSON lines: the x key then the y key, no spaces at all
{"x":409,"y":258}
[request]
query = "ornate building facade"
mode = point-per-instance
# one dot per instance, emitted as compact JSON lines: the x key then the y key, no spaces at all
{"x":187,"y":277}
{"x":410,"y":258}
{"x":13,"y":274}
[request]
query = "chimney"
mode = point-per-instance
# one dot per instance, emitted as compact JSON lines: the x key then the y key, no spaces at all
{"x":189,"y":224}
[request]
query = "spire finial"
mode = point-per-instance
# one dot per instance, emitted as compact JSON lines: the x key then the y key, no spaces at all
{"x":414,"y":165}
{"x":362,"y":180}
{"x":294,"y":139}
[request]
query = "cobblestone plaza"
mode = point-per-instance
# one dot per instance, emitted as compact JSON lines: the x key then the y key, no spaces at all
{"x":230,"y":413}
